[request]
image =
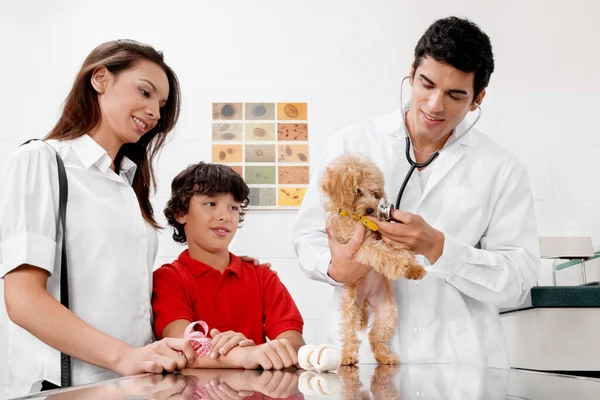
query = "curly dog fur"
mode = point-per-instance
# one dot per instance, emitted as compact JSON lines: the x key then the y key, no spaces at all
{"x":355,"y":184}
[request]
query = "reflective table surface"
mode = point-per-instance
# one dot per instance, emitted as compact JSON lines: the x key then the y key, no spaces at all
{"x":407,"y":381}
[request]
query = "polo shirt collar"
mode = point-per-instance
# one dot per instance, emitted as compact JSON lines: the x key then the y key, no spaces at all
{"x":198,"y":268}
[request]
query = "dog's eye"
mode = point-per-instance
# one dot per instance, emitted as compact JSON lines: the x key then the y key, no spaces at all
{"x":358,"y":192}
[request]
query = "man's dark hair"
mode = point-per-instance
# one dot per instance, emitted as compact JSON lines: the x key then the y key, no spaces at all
{"x":461,"y":44}
{"x":207,"y":179}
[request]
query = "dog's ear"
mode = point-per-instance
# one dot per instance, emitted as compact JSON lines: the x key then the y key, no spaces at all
{"x":338,"y":185}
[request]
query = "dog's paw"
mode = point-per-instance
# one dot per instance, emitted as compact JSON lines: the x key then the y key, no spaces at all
{"x":391,"y":271}
{"x":416,"y":273}
{"x":396,"y":274}
{"x":349,"y":359}
{"x":387,"y":359}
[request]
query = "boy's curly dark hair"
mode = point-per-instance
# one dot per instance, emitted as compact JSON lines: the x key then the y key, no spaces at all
{"x":207,"y":179}
{"x":461,"y":44}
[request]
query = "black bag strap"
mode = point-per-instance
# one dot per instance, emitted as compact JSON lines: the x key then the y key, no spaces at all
{"x":65,"y":359}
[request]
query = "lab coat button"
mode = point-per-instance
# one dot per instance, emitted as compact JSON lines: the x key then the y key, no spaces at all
{"x":417,"y":330}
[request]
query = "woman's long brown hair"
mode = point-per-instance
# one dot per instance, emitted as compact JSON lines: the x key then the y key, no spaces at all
{"x":81,"y":112}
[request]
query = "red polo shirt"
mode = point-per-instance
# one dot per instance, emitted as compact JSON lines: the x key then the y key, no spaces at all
{"x":246,"y":299}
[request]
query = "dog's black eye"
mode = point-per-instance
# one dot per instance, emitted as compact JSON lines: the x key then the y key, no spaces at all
{"x":358,"y":192}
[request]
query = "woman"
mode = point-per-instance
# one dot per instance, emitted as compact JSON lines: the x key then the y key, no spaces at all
{"x":124,"y":102}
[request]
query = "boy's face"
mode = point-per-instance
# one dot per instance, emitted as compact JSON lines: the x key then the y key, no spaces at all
{"x":441,"y":97}
{"x":211,"y":221}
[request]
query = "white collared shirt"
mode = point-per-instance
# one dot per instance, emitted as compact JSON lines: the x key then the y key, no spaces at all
{"x":110,"y":251}
{"x":479,"y":196}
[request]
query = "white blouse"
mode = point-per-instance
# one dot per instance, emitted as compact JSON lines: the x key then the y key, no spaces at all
{"x":110,"y":251}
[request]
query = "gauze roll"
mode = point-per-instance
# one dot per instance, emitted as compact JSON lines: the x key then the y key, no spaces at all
{"x":324,"y":357}
{"x":323,"y":384}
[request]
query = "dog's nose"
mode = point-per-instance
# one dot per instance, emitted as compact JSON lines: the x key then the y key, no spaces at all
{"x":370,"y":210}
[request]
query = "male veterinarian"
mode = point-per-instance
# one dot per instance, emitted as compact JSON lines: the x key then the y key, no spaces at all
{"x":468,"y":216}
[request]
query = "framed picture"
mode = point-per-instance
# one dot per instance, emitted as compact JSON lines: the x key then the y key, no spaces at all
{"x":266,"y":143}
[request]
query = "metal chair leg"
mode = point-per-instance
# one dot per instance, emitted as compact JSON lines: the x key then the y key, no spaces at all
{"x":583,"y":272}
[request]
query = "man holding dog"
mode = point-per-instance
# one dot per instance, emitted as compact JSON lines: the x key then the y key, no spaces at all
{"x":468,"y":216}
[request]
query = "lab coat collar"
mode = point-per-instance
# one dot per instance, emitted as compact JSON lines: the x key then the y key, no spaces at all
{"x":443,"y":164}
{"x":391,"y":124}
{"x":447,"y":158}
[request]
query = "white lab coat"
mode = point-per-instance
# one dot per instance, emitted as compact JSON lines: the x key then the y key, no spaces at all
{"x":479,"y":196}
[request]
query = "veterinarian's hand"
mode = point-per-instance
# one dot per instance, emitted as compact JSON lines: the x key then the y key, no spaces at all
{"x":414,"y":232}
{"x":343,"y":267}
{"x":223,"y":342}
{"x":255,"y":261}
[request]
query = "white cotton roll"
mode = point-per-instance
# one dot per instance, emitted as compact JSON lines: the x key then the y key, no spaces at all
{"x":325,"y":358}
{"x":303,"y":355}
{"x":304,"y":382}
{"x":323,"y":384}
{"x":326,"y":384}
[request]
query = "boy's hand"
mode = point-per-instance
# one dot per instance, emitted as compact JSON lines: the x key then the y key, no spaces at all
{"x":271,"y":384}
{"x":222,"y":391}
{"x":276,"y":354}
{"x":277,"y":384}
{"x":223,"y":342}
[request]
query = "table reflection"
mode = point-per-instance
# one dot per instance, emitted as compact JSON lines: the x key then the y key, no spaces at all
{"x":408,"y":381}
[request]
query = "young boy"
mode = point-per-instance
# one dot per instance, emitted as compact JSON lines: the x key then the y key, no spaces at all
{"x":247,"y":303}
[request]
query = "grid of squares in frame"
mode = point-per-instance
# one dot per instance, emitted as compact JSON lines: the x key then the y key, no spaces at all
{"x":266,"y":143}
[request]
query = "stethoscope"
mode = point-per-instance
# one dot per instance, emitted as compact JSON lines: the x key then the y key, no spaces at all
{"x":384,"y":210}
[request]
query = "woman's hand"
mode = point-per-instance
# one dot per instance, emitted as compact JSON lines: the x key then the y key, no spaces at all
{"x":168,"y":354}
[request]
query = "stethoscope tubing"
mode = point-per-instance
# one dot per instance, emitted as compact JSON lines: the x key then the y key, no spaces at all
{"x":413,"y":164}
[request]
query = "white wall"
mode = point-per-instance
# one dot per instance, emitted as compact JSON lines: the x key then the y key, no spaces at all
{"x":348,"y":57}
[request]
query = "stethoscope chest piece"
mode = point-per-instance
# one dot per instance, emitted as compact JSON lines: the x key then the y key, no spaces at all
{"x":384,"y":210}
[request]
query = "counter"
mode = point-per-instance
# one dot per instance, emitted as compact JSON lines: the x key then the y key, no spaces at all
{"x":408,"y":381}
{"x":556,"y":329}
